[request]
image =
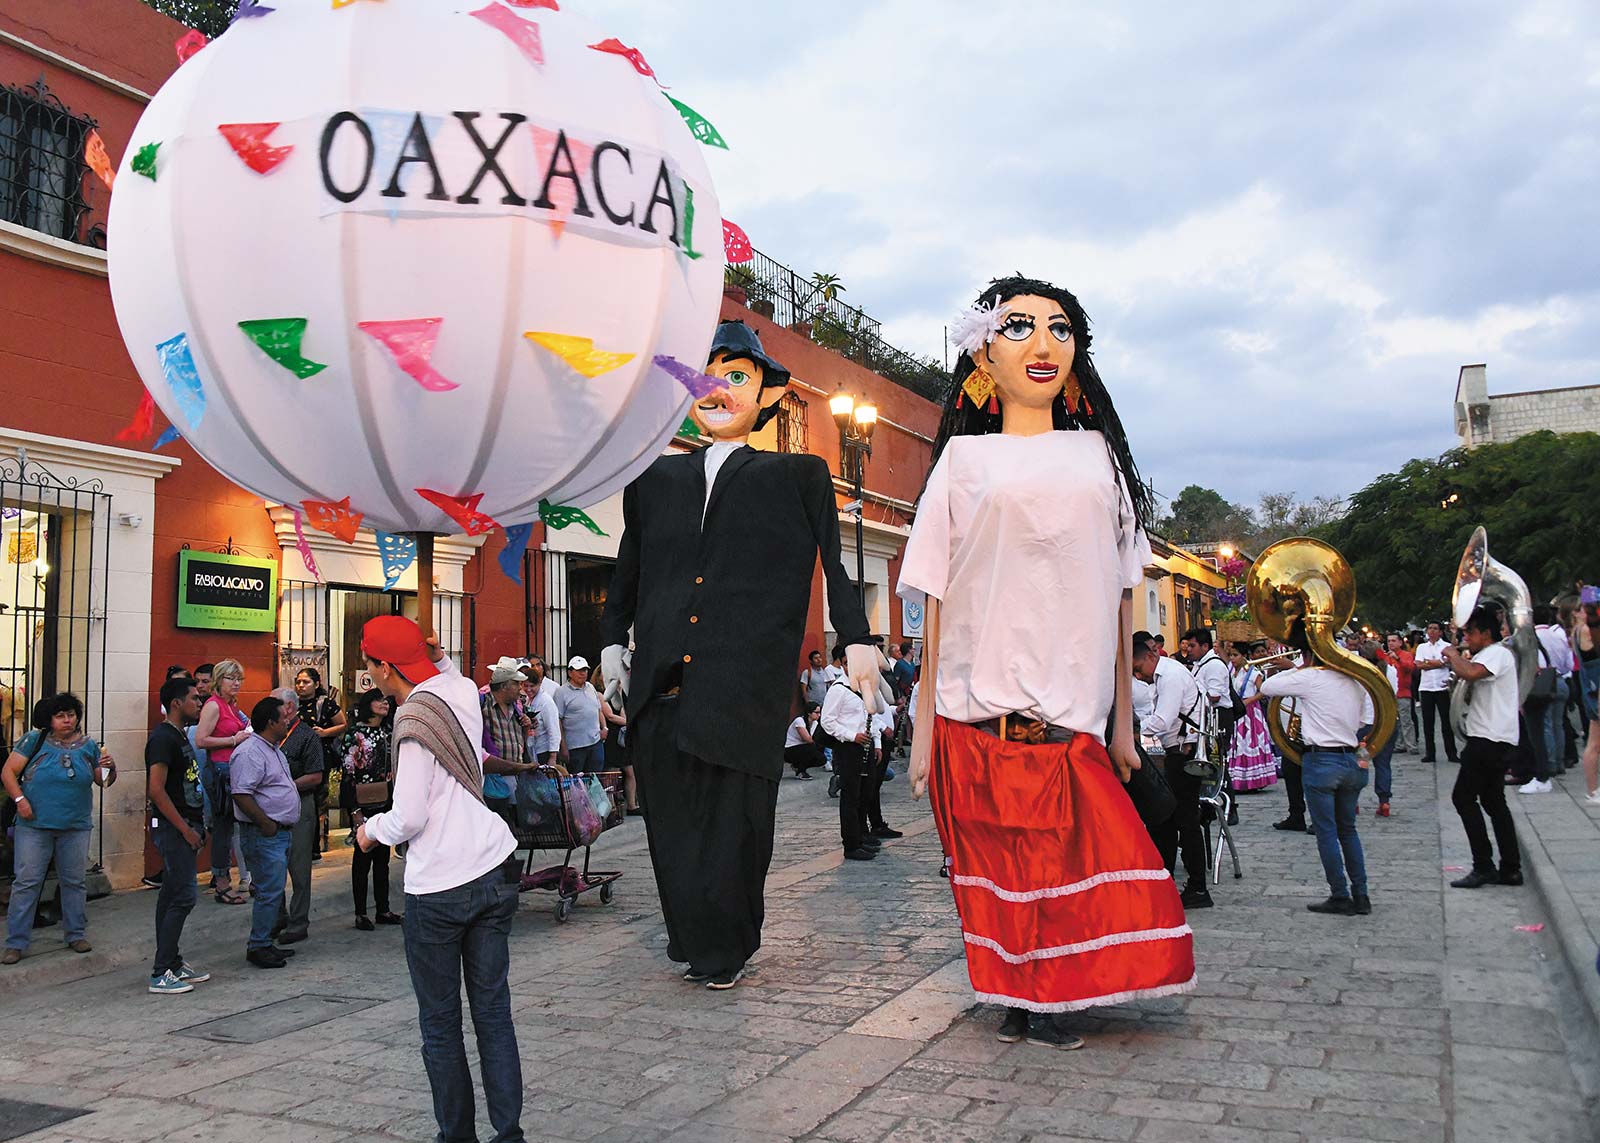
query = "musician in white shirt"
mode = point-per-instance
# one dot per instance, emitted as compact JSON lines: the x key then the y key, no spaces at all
{"x":1179,"y":707}
{"x":1433,"y":691}
{"x":1491,"y":726}
{"x":1333,"y":708}
{"x":1207,"y":667}
{"x":844,"y":717}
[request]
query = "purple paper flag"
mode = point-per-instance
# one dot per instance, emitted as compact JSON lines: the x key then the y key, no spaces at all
{"x":249,"y":8}
{"x":517,"y":537}
{"x":699,"y":383}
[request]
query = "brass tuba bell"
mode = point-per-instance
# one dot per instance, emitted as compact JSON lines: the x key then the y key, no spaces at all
{"x":1481,"y":579}
{"x":1301,"y":592}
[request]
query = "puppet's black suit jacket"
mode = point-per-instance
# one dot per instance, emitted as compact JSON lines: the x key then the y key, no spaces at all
{"x":719,"y":610}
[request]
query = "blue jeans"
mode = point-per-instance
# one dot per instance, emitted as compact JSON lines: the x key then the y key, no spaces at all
{"x":586,"y":759}
{"x":1383,"y":766}
{"x":1333,"y":785}
{"x":177,"y":896}
{"x":456,"y":932}
{"x":268,"y":858}
{"x":34,"y":849}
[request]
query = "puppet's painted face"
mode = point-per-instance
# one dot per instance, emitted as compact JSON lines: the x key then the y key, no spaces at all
{"x":729,"y":413}
{"x":1031,"y":357}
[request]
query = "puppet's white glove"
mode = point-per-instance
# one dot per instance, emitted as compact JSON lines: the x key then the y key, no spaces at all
{"x":614,"y":666}
{"x":861,"y":663}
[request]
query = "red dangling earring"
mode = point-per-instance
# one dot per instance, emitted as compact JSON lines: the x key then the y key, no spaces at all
{"x":960,"y":397}
{"x":994,"y":405}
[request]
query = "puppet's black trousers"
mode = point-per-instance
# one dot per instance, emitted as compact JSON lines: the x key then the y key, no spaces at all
{"x":710,"y":832}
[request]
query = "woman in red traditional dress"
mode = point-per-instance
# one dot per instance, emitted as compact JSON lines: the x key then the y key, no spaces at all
{"x":1028,"y":540}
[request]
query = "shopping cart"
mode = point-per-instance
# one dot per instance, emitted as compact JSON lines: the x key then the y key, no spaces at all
{"x":557,"y":831}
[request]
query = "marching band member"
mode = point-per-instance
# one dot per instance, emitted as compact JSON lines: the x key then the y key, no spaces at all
{"x":1175,"y":722}
{"x":1027,"y":542}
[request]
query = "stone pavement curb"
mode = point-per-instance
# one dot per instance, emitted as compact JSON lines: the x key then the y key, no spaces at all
{"x":1571,"y":931}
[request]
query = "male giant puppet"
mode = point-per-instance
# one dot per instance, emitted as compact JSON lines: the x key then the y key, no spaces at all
{"x":714,"y":577}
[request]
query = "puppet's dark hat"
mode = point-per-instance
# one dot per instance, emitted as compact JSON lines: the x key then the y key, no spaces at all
{"x":735,"y":339}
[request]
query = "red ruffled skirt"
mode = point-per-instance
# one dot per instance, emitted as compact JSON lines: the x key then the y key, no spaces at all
{"x":1064,"y":901}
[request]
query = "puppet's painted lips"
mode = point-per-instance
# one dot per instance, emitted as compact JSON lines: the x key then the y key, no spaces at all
{"x":715,"y":416}
{"x":1043,"y":373}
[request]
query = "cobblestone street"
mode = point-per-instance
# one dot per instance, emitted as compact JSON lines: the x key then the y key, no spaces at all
{"x":1433,"y":1019}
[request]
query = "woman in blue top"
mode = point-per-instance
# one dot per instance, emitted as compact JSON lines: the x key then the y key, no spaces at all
{"x":48,"y":776}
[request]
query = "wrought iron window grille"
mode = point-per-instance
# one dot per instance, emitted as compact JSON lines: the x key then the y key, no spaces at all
{"x":42,"y":167}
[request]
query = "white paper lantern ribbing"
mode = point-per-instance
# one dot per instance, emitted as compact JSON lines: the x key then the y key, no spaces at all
{"x":409,"y":252}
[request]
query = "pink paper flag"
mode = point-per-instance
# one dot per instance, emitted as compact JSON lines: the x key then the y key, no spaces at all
{"x":1455,"y":868}
{"x":305,"y":548}
{"x":249,"y":142}
{"x":410,"y":341}
{"x":188,"y":44}
{"x":562,"y":192}
{"x":523,"y":33}
{"x":550,"y":4}
{"x":736,"y":243}
{"x":1529,"y":928}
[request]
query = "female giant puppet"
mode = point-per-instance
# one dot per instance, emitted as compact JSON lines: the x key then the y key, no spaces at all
{"x":1027,"y":543}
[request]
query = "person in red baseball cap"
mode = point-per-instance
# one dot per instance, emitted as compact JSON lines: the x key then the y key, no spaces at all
{"x":461,"y":875}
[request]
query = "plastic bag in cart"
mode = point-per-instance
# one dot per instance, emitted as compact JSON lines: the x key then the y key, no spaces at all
{"x":586,"y":824}
{"x":538,"y":801}
{"x":598,"y":797}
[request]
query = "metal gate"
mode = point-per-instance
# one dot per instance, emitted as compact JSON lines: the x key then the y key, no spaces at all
{"x":308,"y":612}
{"x":55,"y":535}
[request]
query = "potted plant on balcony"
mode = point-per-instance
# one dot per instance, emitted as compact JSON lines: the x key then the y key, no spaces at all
{"x":736,"y":283}
{"x":760,"y":295}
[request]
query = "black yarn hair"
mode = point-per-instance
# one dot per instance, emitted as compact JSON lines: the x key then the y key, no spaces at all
{"x":962,"y":416}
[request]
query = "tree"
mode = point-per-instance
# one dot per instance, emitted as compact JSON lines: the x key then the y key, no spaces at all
{"x":210,"y":16}
{"x":1201,"y":514}
{"x":1282,"y":514}
{"x":1404,"y":533}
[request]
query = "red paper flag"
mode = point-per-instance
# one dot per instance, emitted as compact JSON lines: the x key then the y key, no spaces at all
{"x":94,"y":153}
{"x":411,"y":342}
{"x":633,"y":55}
{"x":249,"y":142}
{"x":550,"y":4}
{"x":333,"y":517}
{"x":144,"y":419}
{"x":188,"y":44}
{"x":462,"y":509}
{"x":736,"y":243}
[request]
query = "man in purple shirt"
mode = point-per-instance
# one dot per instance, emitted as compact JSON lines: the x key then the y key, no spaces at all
{"x":266,"y":806}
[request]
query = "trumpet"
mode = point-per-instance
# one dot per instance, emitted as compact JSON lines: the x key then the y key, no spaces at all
{"x":1291,"y":652}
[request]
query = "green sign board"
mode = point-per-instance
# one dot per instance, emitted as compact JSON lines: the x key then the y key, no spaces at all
{"x":227,"y":593}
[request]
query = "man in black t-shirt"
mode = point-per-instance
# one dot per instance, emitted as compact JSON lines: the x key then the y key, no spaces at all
{"x":177,"y":815}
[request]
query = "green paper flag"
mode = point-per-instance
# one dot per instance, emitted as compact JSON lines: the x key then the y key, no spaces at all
{"x":279,"y":339}
{"x":700,"y":125}
{"x":688,"y":222}
{"x":144,"y":163}
{"x":689,"y":429}
{"x":559,"y":516}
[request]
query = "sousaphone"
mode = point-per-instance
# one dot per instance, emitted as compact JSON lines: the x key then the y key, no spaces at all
{"x":1481,"y":579}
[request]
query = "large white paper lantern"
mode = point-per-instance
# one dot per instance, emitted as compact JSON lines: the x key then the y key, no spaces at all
{"x":485,"y":222}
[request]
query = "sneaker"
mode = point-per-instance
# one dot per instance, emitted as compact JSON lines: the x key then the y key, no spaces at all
{"x":189,"y":974}
{"x":1014,"y":1027}
{"x":695,"y":976}
{"x":1592,"y":798}
{"x":1535,"y":787}
{"x":860,"y":853}
{"x":168,"y":984}
{"x":807,"y":777}
{"x":1475,"y":880}
{"x":265,"y":958}
{"x":153,"y":880}
{"x":1383,"y":809}
{"x":1045,"y":1033}
{"x":725,"y":980}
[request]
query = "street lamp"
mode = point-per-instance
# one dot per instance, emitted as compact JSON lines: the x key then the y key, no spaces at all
{"x":856,"y":418}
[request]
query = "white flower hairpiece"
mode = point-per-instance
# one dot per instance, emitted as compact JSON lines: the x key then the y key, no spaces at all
{"x":976,"y":327}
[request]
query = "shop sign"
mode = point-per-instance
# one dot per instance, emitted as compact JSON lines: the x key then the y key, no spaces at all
{"x":227,"y":593}
{"x":910,"y":619}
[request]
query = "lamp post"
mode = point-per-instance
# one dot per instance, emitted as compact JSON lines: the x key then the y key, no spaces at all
{"x":856,"y":418}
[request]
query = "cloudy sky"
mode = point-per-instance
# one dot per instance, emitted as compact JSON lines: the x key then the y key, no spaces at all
{"x":1290,"y":223}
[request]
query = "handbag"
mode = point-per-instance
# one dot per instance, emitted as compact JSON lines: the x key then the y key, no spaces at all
{"x":1545,"y":683}
{"x":1153,"y":799}
{"x":371,"y":794}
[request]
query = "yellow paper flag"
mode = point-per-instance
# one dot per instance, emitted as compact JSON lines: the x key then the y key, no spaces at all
{"x":579,"y":352}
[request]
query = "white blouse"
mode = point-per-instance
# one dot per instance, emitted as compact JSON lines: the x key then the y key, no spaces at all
{"x":1028,"y":543}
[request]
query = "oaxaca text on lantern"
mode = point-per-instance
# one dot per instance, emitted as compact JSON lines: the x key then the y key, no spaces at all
{"x":409,"y":162}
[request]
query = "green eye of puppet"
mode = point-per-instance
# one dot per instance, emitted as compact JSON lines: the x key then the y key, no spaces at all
{"x":737,"y":377}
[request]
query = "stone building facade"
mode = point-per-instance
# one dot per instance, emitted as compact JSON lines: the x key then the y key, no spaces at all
{"x":1482,"y":419}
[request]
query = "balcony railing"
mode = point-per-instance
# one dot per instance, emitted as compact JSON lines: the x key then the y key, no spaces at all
{"x":777,"y":292}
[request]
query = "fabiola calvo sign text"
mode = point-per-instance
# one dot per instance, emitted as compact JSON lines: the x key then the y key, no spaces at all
{"x":227,"y":592}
